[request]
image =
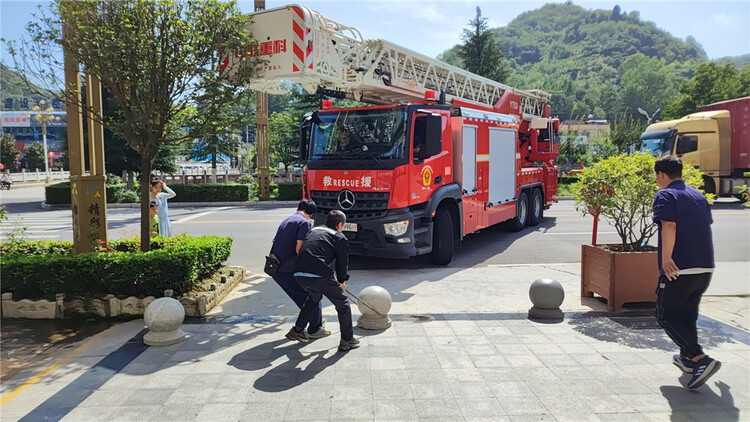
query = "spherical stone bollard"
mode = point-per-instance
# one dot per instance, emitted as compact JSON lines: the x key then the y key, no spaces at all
{"x":374,"y":303}
{"x":163,"y":318}
{"x":546,"y":295}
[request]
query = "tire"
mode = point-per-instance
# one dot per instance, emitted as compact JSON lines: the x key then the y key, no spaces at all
{"x":442,"y":238}
{"x":536,"y":208}
{"x":708,"y":185}
{"x":522,"y":213}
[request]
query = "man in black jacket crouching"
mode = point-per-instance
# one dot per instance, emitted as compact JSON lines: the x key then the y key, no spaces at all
{"x":314,"y":273}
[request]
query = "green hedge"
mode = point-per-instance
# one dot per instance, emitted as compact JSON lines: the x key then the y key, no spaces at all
{"x":60,"y":193}
{"x":41,"y":269}
{"x":289,"y":191}
{"x":567,"y":180}
{"x":209,"y":192}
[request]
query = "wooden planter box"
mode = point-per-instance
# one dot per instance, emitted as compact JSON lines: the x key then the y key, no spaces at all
{"x":619,"y":277}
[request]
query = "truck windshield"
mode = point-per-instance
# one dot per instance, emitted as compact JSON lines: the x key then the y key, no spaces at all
{"x":377,"y":135}
{"x":657,"y":143}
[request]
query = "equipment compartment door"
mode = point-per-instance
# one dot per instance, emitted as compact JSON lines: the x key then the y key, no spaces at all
{"x":469,"y":178}
{"x":502,"y":178}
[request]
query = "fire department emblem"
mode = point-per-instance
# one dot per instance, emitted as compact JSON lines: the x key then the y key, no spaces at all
{"x":427,"y":176}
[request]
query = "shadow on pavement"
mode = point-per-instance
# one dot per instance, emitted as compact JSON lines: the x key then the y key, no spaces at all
{"x":703,"y":400}
{"x":290,"y":373}
{"x":602,"y":328}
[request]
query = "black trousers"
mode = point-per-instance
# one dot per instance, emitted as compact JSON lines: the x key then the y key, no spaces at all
{"x":316,"y":288}
{"x":677,"y":304}
{"x":290,"y":286}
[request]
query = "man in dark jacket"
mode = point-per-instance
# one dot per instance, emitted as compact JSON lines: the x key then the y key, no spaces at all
{"x":286,"y":245}
{"x":313,"y":271}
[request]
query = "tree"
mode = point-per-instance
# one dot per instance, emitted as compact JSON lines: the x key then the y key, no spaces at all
{"x":645,"y":83}
{"x":711,"y":83}
{"x":283,"y":137}
{"x":625,"y":132}
{"x":8,"y":151}
{"x":225,"y":129}
{"x":157,"y":58}
{"x":479,"y":53}
{"x":34,"y":156}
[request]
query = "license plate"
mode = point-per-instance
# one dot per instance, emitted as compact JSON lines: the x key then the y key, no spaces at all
{"x":350,"y":227}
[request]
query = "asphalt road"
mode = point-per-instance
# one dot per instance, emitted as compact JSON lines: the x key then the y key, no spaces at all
{"x":556,"y":240}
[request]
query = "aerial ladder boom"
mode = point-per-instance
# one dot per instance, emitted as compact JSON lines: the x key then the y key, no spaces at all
{"x":300,"y":45}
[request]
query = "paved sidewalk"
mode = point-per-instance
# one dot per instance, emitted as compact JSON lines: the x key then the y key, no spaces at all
{"x":479,"y":358}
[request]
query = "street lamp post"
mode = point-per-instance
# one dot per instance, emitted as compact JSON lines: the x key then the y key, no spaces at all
{"x":43,"y":116}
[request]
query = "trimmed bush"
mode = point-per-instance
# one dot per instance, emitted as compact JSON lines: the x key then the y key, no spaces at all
{"x":567,"y":180}
{"x":209,"y":192}
{"x":289,"y":191}
{"x":34,"y":270}
{"x":59,"y":193}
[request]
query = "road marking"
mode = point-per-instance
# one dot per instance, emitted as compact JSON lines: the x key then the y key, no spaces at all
{"x":199,"y":215}
{"x":44,"y":373}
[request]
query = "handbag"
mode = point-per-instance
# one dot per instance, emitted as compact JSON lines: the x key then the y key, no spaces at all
{"x":272,"y":265}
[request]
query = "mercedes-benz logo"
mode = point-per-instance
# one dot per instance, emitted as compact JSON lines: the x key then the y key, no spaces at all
{"x":346,"y":199}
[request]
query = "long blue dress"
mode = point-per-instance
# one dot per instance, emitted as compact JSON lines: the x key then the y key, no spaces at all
{"x":165,"y":226}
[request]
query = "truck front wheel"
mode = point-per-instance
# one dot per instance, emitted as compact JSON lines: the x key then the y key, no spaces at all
{"x":442,"y":238}
{"x":537,"y":208}
{"x":522,"y":213}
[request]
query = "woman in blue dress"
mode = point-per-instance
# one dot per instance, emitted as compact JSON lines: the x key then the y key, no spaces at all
{"x":157,"y":186}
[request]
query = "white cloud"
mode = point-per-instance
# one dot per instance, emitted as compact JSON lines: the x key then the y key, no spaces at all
{"x":725,"y":21}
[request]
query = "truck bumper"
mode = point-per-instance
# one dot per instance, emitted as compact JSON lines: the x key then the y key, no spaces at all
{"x":370,"y":238}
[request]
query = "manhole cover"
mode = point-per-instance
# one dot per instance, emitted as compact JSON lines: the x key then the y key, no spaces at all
{"x":638,"y":323}
{"x":419,"y":318}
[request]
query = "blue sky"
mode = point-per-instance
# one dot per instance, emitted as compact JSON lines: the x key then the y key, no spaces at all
{"x":431,"y":27}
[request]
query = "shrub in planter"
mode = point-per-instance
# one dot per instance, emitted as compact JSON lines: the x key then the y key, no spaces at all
{"x":289,"y":191}
{"x":621,"y":189}
{"x":210,"y":192}
{"x":41,"y":269}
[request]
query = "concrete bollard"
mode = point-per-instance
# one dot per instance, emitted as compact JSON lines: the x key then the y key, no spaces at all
{"x":163,"y":318}
{"x":374,"y":302}
{"x":546,"y":295}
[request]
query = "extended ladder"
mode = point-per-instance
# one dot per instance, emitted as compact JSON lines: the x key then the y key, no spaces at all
{"x":300,"y":45}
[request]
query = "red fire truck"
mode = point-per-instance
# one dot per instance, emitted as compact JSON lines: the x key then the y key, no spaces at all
{"x":443,"y":152}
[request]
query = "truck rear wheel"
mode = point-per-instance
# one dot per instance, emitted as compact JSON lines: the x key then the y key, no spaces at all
{"x":522,"y":213}
{"x":442,"y":238}
{"x":708,"y":185}
{"x":537,"y":208}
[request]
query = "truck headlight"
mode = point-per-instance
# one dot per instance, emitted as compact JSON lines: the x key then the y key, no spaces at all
{"x":396,"y":229}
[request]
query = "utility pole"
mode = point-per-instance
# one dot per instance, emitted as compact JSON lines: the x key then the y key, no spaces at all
{"x":262,"y":151}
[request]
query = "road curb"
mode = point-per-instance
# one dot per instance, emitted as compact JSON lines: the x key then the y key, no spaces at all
{"x":248,"y":204}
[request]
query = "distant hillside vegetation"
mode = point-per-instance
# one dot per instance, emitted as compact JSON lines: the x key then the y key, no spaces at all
{"x":739,"y":61}
{"x":578,"y":54}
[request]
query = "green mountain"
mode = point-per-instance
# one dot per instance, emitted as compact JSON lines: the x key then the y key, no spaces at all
{"x":591,"y":60}
{"x":13,"y":87}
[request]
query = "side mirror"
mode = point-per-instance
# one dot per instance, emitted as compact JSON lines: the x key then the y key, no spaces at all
{"x":304,"y":136}
{"x":433,"y":135}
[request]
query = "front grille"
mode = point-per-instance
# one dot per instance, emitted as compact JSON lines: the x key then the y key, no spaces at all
{"x":367,"y":205}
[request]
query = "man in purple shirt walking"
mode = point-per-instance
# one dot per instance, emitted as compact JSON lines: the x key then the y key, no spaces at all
{"x":686,"y":263}
{"x":286,"y":245}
